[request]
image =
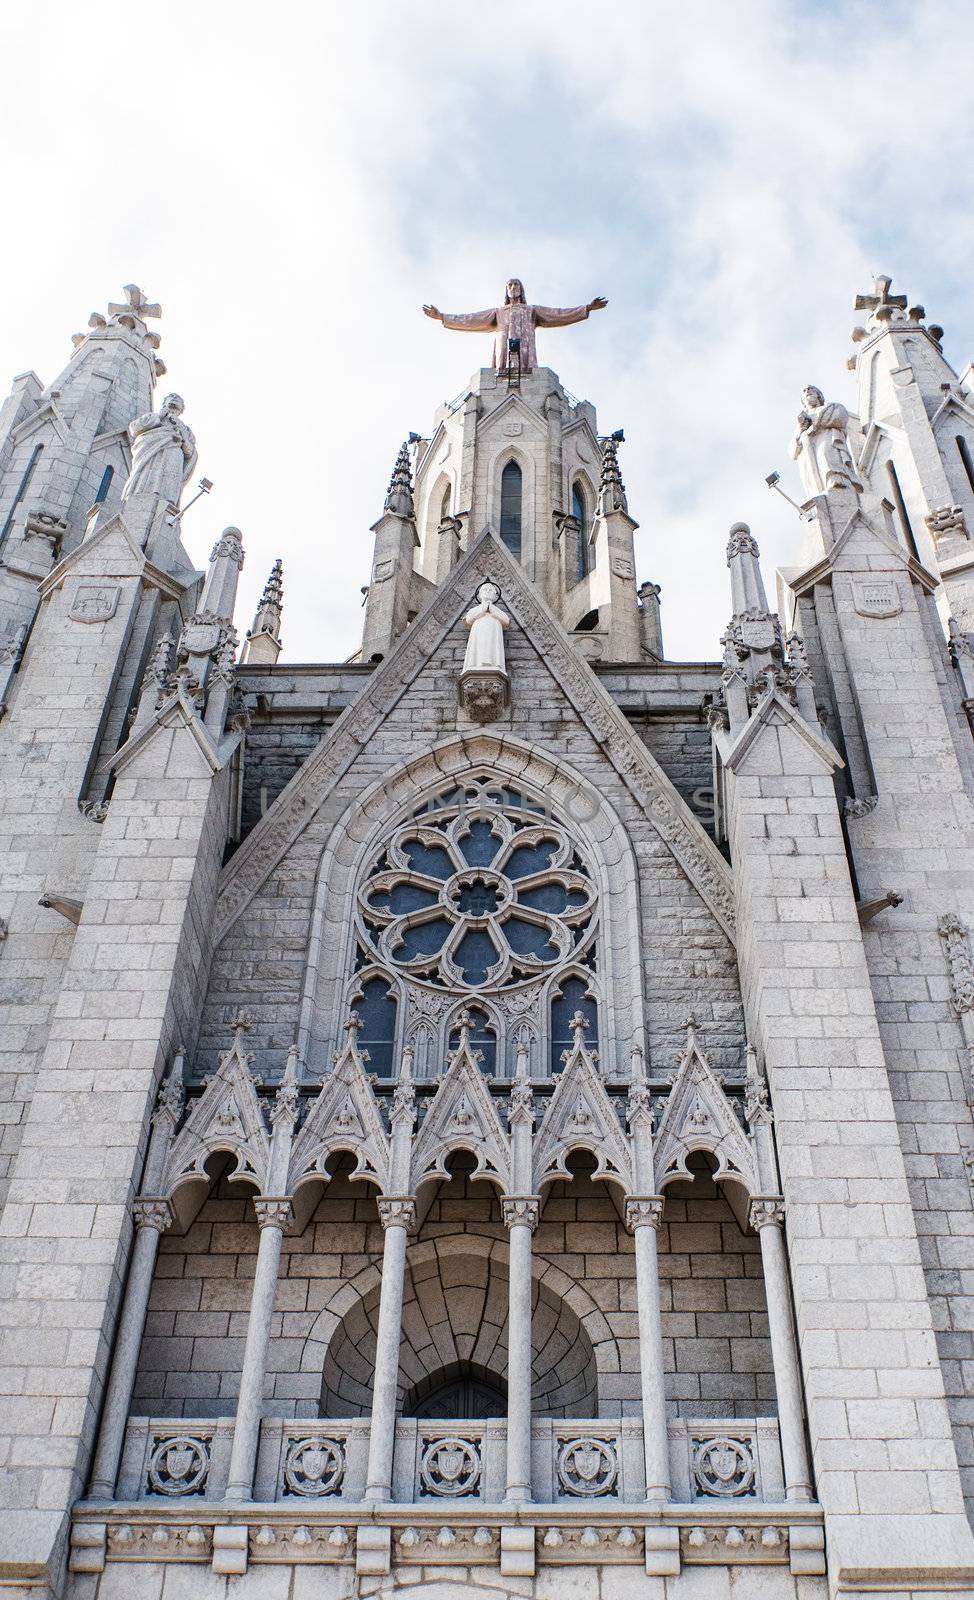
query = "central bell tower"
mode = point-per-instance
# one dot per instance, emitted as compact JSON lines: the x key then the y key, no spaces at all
{"x":515,"y":453}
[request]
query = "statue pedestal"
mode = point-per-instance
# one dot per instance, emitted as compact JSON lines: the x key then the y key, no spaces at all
{"x":484,"y":694}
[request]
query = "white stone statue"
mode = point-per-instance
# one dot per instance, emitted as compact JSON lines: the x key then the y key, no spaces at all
{"x":486,"y":621}
{"x":163,"y":452}
{"x":821,"y":445}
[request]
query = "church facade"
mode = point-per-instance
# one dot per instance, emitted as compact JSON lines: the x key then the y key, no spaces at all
{"x":491,"y":1117}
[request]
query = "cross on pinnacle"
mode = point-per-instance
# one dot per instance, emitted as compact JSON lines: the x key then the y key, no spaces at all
{"x":881,"y":303}
{"x":136,"y":304}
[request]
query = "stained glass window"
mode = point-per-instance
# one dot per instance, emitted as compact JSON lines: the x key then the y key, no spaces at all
{"x":480,"y":890}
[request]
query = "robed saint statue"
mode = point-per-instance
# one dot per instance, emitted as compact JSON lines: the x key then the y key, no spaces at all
{"x":514,"y":323}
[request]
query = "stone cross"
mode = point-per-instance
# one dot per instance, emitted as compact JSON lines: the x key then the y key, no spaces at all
{"x":136,"y":304}
{"x":881,"y":303}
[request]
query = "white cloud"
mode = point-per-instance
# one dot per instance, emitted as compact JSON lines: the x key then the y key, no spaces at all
{"x":292,"y":184}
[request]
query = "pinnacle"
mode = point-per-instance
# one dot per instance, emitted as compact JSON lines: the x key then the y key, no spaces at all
{"x":612,"y":490}
{"x":399,"y":496}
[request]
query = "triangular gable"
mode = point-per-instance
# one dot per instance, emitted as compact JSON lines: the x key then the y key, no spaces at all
{"x":129,"y":560}
{"x":513,"y":406}
{"x":462,"y":1116}
{"x":580,"y":1116}
{"x":636,"y":768}
{"x":47,"y":412}
{"x":833,"y":561}
{"x":227,"y":1116}
{"x":773,"y":707}
{"x":699,"y":1116}
{"x":344,"y":1117}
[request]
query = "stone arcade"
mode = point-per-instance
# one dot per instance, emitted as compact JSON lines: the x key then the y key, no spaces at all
{"x":492,"y":1118}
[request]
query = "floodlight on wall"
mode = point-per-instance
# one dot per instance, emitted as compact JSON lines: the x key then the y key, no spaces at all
{"x":773,"y":481}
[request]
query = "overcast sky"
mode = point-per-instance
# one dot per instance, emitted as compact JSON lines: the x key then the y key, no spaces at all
{"x":293,"y":181}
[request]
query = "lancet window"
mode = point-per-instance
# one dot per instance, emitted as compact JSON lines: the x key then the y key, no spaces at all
{"x":512,"y":485}
{"x":479,"y":901}
{"x":580,"y":514}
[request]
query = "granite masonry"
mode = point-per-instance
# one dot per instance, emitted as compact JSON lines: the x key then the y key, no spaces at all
{"x":492,"y":1118}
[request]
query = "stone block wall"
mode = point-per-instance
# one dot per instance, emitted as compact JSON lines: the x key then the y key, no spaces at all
{"x":717,"y":1353}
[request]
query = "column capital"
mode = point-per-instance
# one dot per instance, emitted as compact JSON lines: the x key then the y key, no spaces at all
{"x":152,"y":1211}
{"x":643,"y":1211}
{"x":397,"y":1211}
{"x":274,"y":1211}
{"x":765,"y":1211}
{"x":521,"y":1209}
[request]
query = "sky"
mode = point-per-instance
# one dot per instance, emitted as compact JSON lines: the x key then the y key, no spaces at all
{"x":293,"y":182}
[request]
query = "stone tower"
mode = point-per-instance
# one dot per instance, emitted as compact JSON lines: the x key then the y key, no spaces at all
{"x":492,"y":1117}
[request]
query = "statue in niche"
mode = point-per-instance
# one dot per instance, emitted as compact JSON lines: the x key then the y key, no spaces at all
{"x":486,"y":622}
{"x":821,"y":445}
{"x":484,"y":684}
{"x":516,"y":321}
{"x":163,"y":452}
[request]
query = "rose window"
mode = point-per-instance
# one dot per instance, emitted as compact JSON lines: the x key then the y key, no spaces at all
{"x":479,"y":889}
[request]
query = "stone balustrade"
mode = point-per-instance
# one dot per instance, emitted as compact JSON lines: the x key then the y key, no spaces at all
{"x":318,"y":1461}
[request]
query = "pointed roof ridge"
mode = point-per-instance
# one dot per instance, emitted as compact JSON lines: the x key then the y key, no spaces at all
{"x":637,"y":768}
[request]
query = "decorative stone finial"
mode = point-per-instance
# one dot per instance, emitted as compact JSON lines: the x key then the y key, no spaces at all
{"x":288,"y":1097}
{"x":757,"y":1107}
{"x":612,"y":491}
{"x":399,"y":496}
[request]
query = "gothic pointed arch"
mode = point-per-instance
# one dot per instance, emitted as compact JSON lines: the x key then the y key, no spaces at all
{"x":581,"y":1116}
{"x":462,"y":1116}
{"x":344,"y":1118}
{"x":699,"y":1117}
{"x":226,"y":1119}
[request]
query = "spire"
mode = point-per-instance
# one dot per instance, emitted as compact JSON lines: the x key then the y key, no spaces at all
{"x":263,"y":644}
{"x":399,"y":496}
{"x":612,"y":490}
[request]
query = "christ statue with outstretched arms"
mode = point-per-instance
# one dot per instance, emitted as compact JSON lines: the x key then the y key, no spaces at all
{"x":514,"y":323}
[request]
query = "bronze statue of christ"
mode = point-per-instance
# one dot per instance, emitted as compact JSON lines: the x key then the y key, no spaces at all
{"x":514,"y":323}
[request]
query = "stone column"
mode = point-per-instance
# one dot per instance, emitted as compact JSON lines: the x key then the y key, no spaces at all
{"x":644,"y":1214}
{"x":520,"y":1214}
{"x":767,"y":1216}
{"x":397,"y":1214}
{"x":274,"y":1213}
{"x":152,"y":1218}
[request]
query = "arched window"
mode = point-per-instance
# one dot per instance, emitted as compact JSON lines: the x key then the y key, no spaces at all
{"x":376,"y":1005}
{"x":511,"y":492}
{"x":105,"y":485}
{"x":579,"y":566}
{"x":572,"y":995}
{"x":445,"y":504}
{"x":965,"y":456}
